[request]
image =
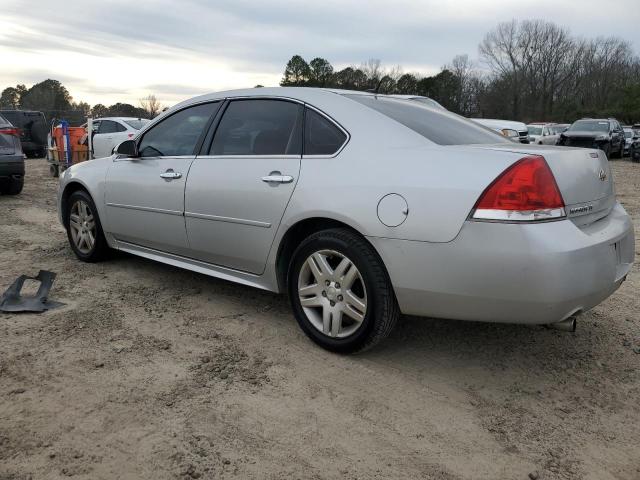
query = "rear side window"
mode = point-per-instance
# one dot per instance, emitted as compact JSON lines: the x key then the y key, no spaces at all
{"x":259,"y":127}
{"x":108,"y":126}
{"x":178,"y":134}
{"x":321,"y":136}
{"x":439,"y":126}
{"x":136,"y":124}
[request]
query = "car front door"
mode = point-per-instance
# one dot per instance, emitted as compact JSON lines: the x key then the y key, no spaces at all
{"x":237,"y":192}
{"x":144,"y":196}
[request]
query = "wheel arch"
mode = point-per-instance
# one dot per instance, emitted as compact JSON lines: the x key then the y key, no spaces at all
{"x":69,"y":189}
{"x":296,"y":233}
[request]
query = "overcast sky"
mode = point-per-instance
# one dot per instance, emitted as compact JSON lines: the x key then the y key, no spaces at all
{"x":122,"y":50}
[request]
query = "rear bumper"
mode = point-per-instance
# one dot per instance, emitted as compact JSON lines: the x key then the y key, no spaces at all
{"x":11,"y":166}
{"x":530,"y":273}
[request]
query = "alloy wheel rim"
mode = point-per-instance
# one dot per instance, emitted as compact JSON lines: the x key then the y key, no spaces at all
{"x":82,"y":226}
{"x":332,"y":293}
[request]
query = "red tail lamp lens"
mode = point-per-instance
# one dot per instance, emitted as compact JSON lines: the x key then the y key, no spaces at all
{"x":527,"y":190}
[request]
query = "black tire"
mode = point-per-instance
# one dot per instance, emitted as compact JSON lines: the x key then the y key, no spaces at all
{"x":100,"y":248}
{"x":620,"y":152}
{"x":54,"y":171}
{"x":382,"y":310}
{"x":607,"y":150}
{"x":14,"y":186}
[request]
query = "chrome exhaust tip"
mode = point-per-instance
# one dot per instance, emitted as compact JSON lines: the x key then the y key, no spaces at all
{"x":566,"y":325}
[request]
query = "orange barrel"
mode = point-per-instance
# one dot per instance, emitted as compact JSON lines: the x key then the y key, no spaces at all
{"x":58,"y":137}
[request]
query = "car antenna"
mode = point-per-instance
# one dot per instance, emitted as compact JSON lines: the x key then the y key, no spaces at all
{"x":375,"y":90}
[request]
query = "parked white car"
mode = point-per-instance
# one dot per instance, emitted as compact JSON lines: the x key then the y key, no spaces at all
{"x":109,"y":132}
{"x":501,"y":125}
{"x":543,"y":133}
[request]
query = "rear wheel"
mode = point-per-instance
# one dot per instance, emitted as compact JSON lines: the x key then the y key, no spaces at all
{"x":84,"y":230}
{"x":340,"y":292}
{"x":14,"y":186}
{"x":606,"y":149}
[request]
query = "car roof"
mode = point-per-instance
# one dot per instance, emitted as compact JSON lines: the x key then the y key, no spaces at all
{"x":119,"y":118}
{"x":304,"y":94}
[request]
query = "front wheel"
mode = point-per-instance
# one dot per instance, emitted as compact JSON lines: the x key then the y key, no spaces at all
{"x":340,"y":292}
{"x":84,"y":230}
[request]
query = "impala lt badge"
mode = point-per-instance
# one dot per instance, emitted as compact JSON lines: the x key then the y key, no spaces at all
{"x":582,"y":209}
{"x":602,"y":174}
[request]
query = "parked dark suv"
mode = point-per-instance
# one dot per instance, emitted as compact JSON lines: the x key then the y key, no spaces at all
{"x":634,"y":148}
{"x":11,"y":159}
{"x":33,"y":130}
{"x":603,"y":133}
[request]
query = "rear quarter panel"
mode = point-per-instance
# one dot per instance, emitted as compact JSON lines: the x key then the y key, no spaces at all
{"x":440,"y":183}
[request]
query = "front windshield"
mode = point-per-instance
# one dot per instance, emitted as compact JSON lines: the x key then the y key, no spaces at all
{"x":590,"y":126}
{"x":534,"y":130}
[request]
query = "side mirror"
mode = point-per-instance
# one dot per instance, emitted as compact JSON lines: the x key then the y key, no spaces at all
{"x":127,"y":148}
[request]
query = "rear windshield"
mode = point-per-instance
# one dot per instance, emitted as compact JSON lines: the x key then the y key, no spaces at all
{"x":3,"y":121}
{"x":439,"y":126}
{"x":590,"y":126}
{"x":137,"y":124}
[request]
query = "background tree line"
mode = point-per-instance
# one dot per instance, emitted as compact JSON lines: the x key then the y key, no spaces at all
{"x":54,"y":100}
{"x":531,"y":70}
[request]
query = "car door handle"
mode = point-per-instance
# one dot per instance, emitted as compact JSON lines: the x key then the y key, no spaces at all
{"x":277,"y":177}
{"x":170,"y":175}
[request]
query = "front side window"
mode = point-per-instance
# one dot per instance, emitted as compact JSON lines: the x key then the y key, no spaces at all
{"x":437,"y":125}
{"x":178,"y":134}
{"x":259,"y":127}
{"x":321,"y":136}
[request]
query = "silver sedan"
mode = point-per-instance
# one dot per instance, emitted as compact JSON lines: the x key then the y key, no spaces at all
{"x":360,"y":207}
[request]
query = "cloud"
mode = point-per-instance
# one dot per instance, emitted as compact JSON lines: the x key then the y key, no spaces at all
{"x":123,"y":50}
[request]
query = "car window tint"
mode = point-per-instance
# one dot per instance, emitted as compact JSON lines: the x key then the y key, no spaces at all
{"x":179,"y":133}
{"x":259,"y":127}
{"x":120,"y":128}
{"x":108,"y":126}
{"x":439,"y":126}
{"x":321,"y":136}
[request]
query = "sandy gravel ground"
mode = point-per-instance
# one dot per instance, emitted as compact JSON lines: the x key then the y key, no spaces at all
{"x":151,"y":372}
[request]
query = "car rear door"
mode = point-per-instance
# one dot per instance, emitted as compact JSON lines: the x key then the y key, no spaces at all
{"x":144,"y":196}
{"x":238,"y":190}
{"x":103,"y":139}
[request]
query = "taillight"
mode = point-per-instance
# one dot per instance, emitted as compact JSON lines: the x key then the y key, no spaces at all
{"x":526,"y":191}
{"x":131,"y":135}
{"x":10,"y":131}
